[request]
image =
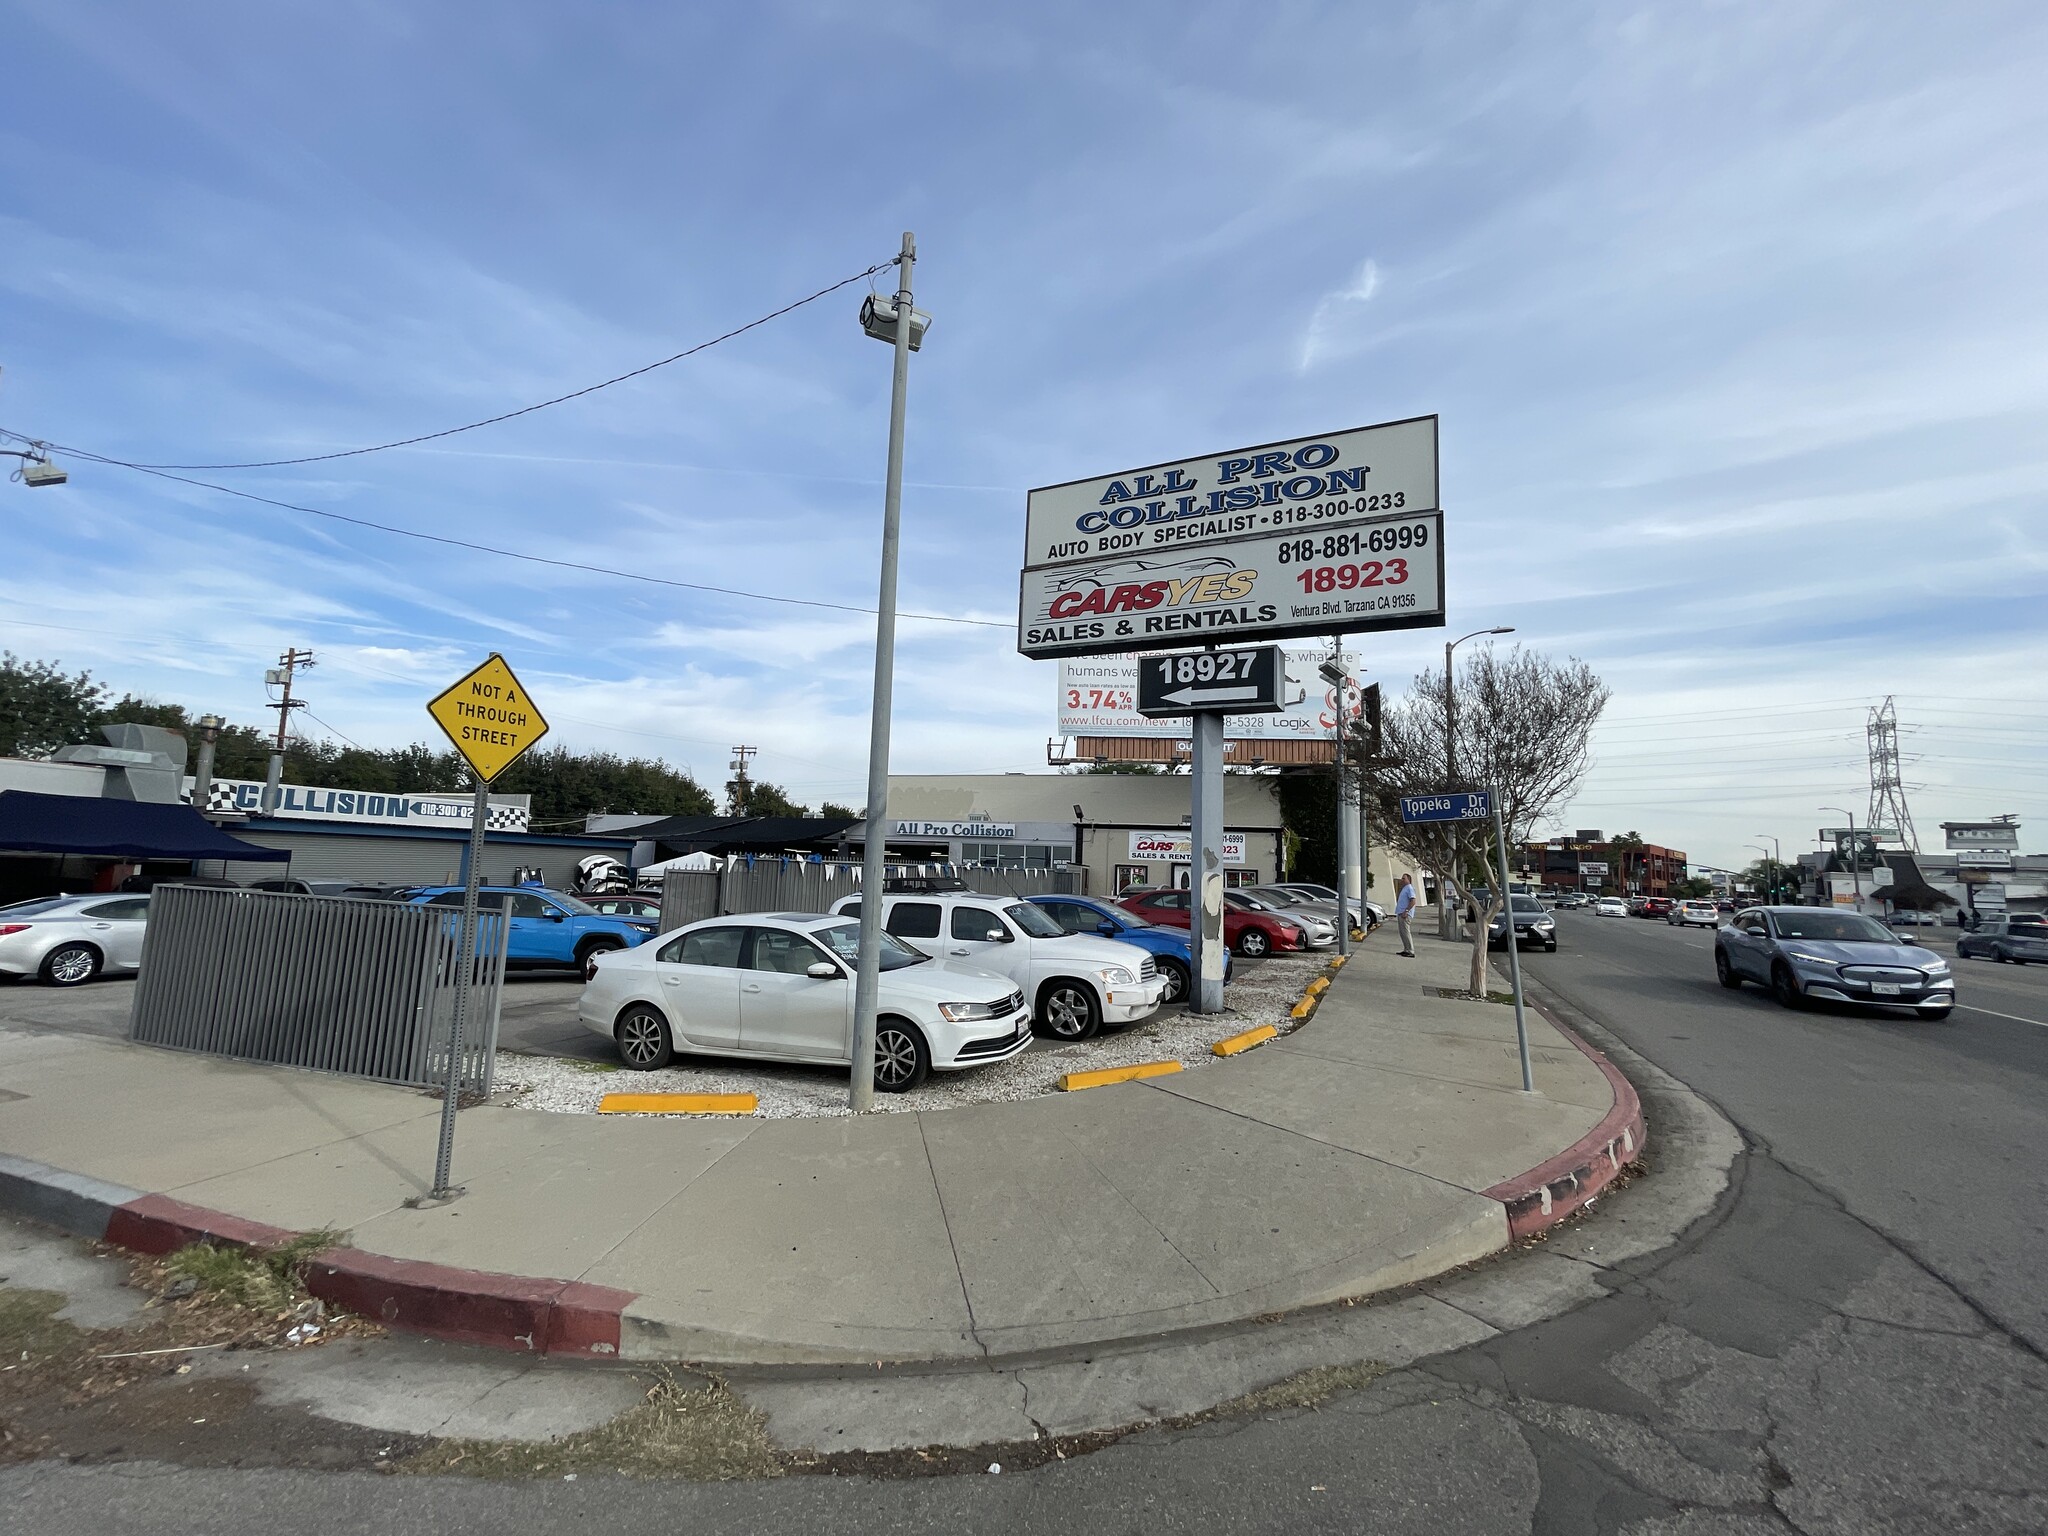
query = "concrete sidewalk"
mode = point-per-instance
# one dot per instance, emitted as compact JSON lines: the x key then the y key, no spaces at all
{"x":1385,"y":1141}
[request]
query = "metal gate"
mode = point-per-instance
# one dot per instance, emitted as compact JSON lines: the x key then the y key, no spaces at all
{"x":792,"y":885}
{"x":362,"y":988}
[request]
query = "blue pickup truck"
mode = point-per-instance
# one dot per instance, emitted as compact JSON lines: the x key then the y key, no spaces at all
{"x":550,"y":929}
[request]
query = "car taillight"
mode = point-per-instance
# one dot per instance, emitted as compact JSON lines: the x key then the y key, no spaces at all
{"x":7,"y":928}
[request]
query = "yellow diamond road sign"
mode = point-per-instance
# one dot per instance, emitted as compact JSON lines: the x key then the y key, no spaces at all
{"x":489,"y":718}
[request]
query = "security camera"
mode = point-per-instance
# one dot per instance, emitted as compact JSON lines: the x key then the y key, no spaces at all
{"x":878,"y":319}
{"x":42,"y":472}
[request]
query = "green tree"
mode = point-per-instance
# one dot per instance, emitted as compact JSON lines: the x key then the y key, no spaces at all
{"x":834,"y":808}
{"x":1626,"y":847}
{"x":43,"y":708}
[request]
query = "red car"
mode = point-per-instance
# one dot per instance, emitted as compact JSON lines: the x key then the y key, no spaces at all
{"x":1655,"y":906}
{"x":1251,"y":934}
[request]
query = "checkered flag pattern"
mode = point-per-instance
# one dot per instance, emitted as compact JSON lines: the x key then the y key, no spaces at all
{"x":505,"y":818}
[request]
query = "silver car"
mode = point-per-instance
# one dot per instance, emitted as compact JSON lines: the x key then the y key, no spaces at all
{"x":67,"y":940}
{"x":1318,"y":924}
{"x":1803,"y":953}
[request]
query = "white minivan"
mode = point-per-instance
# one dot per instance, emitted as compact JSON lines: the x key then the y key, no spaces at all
{"x":1076,"y":982}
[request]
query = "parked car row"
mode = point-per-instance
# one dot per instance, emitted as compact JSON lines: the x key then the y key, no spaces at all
{"x":966,"y":980}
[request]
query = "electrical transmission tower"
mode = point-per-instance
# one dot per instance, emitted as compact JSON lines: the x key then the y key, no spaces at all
{"x":1887,"y":788}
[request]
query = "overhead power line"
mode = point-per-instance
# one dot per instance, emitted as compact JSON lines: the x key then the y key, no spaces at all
{"x":524,"y":410}
{"x":514,"y":554}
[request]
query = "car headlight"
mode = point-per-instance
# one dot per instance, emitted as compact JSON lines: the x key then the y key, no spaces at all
{"x":1544,"y":922}
{"x":1939,"y":968}
{"x":1117,"y":976}
{"x":968,"y":1013}
{"x":1793,"y":954}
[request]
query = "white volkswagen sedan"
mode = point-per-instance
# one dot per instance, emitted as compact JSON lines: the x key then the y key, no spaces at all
{"x":778,"y":986}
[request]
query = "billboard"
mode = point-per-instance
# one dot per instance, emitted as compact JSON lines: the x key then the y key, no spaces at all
{"x":1982,"y":834}
{"x":1384,"y":574}
{"x":1592,"y":867}
{"x":1099,"y":697}
{"x":1309,"y":484}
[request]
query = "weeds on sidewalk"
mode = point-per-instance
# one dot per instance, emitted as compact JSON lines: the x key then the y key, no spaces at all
{"x":265,"y":1279}
{"x":706,"y":1434}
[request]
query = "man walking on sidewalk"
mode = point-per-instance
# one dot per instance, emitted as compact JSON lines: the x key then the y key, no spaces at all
{"x":1404,"y":908}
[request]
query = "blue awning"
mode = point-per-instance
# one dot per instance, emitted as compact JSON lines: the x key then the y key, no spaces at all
{"x":117,"y":829}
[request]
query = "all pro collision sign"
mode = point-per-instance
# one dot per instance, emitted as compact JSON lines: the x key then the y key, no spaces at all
{"x":1338,"y":533}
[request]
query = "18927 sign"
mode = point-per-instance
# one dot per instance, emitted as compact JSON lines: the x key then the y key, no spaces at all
{"x":1237,"y":682}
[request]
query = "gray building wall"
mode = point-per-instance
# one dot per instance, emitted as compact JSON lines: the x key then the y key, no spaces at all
{"x":352,"y":854}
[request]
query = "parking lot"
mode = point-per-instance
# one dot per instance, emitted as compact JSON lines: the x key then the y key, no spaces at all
{"x":550,"y":1060}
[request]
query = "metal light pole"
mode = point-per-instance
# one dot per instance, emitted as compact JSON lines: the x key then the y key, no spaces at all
{"x":1332,"y":672}
{"x":874,"y":852}
{"x":1451,"y":756}
{"x":1777,"y":858}
{"x":1855,"y":855}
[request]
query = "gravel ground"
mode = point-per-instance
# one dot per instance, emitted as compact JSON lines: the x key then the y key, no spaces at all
{"x":1261,"y":995}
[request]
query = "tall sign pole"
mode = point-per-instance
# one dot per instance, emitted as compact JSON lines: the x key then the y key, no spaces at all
{"x":867,"y":986}
{"x":491,"y":722}
{"x":1340,"y":532}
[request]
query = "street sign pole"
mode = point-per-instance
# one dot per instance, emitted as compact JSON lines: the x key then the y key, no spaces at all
{"x":465,"y":969}
{"x":1343,"y":803}
{"x":1500,"y":839}
{"x":491,"y":721}
{"x":1205,"y":854}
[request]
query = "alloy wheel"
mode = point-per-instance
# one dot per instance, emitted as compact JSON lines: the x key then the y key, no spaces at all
{"x":71,"y":965}
{"x":1253,"y":945}
{"x":640,"y":1039}
{"x":1066,"y":1013}
{"x":1176,"y":983}
{"x":895,"y":1056}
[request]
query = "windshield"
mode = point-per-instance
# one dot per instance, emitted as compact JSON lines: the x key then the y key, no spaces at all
{"x":1832,"y":928}
{"x":1035,"y":921}
{"x":41,"y":904}
{"x":1244,"y":903}
{"x":1527,"y":904}
{"x":843,"y":939}
{"x":571,"y":904}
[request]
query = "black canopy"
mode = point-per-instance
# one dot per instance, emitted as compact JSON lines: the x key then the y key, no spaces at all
{"x":117,"y":829}
{"x":740,"y":834}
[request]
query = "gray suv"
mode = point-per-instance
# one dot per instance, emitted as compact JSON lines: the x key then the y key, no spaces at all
{"x":2008,"y":940}
{"x":1803,"y":953}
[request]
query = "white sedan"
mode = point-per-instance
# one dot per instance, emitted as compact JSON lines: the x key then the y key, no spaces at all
{"x":779,"y":987}
{"x":1610,"y":906}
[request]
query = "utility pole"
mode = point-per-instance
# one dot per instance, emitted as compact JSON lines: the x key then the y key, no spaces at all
{"x":281,"y":676}
{"x":867,"y":987}
{"x":739,"y":792}
{"x":1333,"y":673}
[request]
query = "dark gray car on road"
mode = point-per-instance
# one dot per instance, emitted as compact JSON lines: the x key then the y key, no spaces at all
{"x":1803,"y":953}
{"x":2008,"y":940}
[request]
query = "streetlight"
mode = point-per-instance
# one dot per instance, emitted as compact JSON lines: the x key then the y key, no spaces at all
{"x":1772,"y":865}
{"x":1855,"y":862}
{"x":1777,"y":857}
{"x":1332,"y":672}
{"x":36,"y":468}
{"x":1451,"y":759}
{"x":899,"y":323}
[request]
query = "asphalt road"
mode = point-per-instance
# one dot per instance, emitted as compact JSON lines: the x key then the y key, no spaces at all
{"x":1851,"y":1343}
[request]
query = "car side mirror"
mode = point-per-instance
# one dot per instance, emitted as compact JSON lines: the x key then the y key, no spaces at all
{"x":997,"y":936}
{"x":824,"y":970}
{"x":1108,"y":928}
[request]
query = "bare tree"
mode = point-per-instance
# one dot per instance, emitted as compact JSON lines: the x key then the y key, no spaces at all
{"x":1525,"y":726}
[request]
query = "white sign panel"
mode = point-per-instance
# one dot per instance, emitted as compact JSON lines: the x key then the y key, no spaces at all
{"x":1172,"y":847}
{"x":1963,"y":834}
{"x":1098,"y":697}
{"x":1383,"y":574}
{"x":988,"y":831}
{"x":1592,"y":867}
{"x":1309,"y":483}
{"x":1983,"y":858}
{"x":368,"y":807}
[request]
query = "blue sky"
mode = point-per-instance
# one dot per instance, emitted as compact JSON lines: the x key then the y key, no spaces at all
{"x":1733,"y":315}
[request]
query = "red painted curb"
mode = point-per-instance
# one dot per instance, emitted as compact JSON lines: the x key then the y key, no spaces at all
{"x":1559,"y":1185}
{"x":468,"y":1306}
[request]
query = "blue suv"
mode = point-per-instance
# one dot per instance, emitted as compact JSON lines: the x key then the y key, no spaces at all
{"x":550,"y":929}
{"x":1169,"y":947}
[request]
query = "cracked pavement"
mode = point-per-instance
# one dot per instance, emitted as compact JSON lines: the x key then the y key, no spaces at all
{"x":1850,"y":1342}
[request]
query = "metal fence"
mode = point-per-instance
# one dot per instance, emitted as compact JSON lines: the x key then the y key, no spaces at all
{"x":363,"y":988}
{"x":793,"y":885}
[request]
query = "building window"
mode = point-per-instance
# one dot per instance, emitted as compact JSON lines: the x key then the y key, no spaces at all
{"x":1016,"y":855}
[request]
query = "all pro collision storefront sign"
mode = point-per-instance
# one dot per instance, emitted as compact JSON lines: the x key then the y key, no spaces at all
{"x":1333,"y":534}
{"x":362,"y":807}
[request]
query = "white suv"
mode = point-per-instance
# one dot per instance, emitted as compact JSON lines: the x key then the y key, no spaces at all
{"x":1694,"y":914}
{"x":1076,"y":983}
